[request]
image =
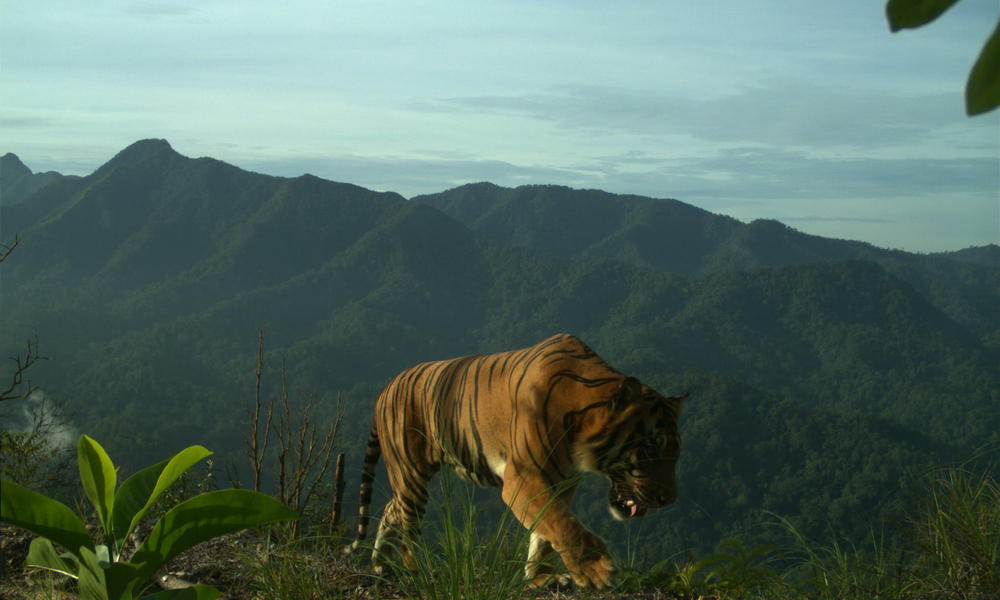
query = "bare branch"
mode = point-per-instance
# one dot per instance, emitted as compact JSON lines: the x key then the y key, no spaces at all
{"x":303,"y":456}
{"x":6,"y":249}
{"x":20,"y":388}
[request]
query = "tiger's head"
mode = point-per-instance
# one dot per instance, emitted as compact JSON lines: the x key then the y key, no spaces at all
{"x":633,"y":439}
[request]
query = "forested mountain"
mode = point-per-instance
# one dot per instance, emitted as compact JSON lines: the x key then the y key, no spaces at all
{"x":675,"y":237}
{"x":824,"y":374}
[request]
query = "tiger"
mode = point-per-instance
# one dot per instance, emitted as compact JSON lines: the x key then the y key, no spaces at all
{"x":531,"y":422}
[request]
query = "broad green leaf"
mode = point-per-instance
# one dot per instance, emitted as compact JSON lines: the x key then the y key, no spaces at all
{"x":42,"y":554}
{"x":103,"y":556}
{"x":204,"y":517}
{"x":92,"y":579}
{"x":43,"y":516}
{"x":97,"y":474}
{"x":905,"y":14}
{"x":122,"y":581}
{"x":132,"y":499}
{"x":197,"y":592}
{"x":138,"y":493}
{"x":982,"y":92}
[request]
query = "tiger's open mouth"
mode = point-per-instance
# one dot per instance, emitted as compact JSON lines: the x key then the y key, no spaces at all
{"x":624,"y":504}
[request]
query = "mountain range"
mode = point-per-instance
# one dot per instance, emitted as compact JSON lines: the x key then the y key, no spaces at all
{"x":826,"y":376}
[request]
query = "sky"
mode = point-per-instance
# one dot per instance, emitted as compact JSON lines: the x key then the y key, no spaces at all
{"x":808,"y":112}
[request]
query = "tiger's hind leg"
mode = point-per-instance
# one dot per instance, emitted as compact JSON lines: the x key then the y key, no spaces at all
{"x":400,"y":527}
{"x":388,"y":541}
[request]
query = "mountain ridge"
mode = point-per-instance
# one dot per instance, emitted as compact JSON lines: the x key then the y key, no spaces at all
{"x":821,"y":371}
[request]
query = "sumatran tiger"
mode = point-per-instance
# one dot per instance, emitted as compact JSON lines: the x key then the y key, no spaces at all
{"x":529,"y":421}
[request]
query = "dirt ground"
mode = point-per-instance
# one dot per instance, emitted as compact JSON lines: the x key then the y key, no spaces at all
{"x":247,"y":567}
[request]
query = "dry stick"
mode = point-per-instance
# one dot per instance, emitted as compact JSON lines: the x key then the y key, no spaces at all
{"x":338,"y":493}
{"x":6,"y":249}
{"x":284,"y":434}
{"x":258,"y":450}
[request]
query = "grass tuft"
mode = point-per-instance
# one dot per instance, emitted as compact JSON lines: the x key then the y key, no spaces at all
{"x":465,"y":561}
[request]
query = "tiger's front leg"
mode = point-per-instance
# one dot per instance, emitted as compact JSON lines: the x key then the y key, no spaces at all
{"x":547,"y":515}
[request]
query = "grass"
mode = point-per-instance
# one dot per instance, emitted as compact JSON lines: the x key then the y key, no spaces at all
{"x":948,"y":550}
{"x":957,"y":537}
{"x":461,"y":560}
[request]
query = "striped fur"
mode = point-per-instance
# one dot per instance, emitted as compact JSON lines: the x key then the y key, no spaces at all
{"x":529,"y":421}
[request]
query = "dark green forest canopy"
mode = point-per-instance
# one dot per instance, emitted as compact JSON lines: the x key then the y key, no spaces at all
{"x":826,"y":376}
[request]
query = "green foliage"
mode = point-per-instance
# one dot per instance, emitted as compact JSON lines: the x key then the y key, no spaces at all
{"x":982,"y":91}
{"x":915,"y":13}
{"x":32,"y":459}
{"x":99,"y":569}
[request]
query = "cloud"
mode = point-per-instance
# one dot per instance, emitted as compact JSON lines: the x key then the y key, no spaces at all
{"x":818,"y":219}
{"x":411,"y":176}
{"x":776,"y":173}
{"x":745,"y":176}
{"x":39,"y":415}
{"x":160,"y":9}
{"x":778,"y":113}
{"x":25,"y":122}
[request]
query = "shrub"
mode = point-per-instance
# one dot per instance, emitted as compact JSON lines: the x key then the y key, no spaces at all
{"x":99,"y":568}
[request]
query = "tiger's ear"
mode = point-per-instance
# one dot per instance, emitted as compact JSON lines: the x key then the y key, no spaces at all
{"x":628,"y":392}
{"x":677,"y":403}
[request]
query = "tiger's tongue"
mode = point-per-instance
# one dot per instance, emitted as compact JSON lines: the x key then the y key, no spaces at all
{"x":633,"y":510}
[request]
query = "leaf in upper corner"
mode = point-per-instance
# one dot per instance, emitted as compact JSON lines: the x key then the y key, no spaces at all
{"x":982,"y":91}
{"x":907,"y":14}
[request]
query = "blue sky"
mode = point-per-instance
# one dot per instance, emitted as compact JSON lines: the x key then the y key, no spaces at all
{"x":808,"y":112}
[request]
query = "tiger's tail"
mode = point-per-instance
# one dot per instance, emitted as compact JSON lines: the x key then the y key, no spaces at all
{"x":372,"y":454}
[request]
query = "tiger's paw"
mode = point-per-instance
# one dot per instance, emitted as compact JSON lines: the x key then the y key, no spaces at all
{"x":545,"y":580}
{"x":597,"y":572}
{"x":590,"y":565}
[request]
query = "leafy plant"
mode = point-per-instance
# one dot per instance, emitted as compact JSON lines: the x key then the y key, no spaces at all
{"x":99,"y":568}
{"x":982,"y":90}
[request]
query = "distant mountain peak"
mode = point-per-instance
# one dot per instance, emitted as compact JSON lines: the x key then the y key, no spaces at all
{"x":155,"y":151}
{"x":18,"y":182}
{"x":12,"y":167}
{"x":148,"y":147}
